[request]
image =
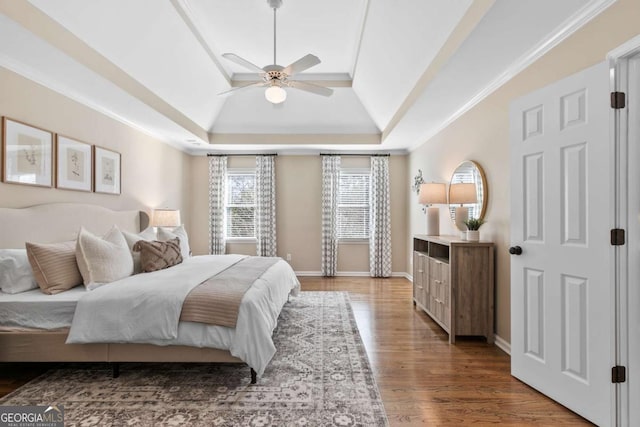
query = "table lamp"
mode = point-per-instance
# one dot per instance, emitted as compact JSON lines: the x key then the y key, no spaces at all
{"x":430,"y":194}
{"x":462,"y":193}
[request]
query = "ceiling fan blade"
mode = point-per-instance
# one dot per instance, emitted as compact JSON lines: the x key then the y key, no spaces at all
{"x":310,"y":87}
{"x":235,"y":90}
{"x":301,"y":64}
{"x":241,"y":61}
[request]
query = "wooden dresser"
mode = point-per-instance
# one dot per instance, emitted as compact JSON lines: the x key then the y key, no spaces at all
{"x":453,"y":283}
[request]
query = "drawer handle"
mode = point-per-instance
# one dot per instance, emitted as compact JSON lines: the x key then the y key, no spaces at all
{"x":438,"y":281}
{"x":420,"y":271}
{"x":438,"y":301}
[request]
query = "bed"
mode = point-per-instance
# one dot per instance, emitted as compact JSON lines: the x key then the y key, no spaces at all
{"x":34,"y":327}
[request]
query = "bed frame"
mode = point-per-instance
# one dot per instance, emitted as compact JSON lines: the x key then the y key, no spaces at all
{"x":57,"y":222}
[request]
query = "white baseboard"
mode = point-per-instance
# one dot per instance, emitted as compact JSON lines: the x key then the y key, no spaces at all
{"x":350,"y":274}
{"x":308,"y":273}
{"x":502,"y":344}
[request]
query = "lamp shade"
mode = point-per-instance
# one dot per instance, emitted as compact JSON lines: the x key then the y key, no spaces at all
{"x":432,"y":193}
{"x":165,"y":218}
{"x":463,"y":193}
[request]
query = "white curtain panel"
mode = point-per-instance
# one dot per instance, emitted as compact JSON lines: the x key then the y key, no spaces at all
{"x":380,"y":234}
{"x":330,"y":188}
{"x":217,"y":195}
{"x":266,"y":206}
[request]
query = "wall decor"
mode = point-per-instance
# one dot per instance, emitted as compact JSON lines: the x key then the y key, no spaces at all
{"x":106,"y":171}
{"x":27,"y":154}
{"x":417,"y":181}
{"x":74,"y":163}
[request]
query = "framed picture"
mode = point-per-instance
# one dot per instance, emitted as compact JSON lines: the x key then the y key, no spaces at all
{"x":73,"y":164}
{"x":106,"y":171}
{"x":27,"y":154}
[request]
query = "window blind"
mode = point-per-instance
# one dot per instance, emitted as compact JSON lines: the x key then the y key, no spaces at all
{"x":353,"y":205}
{"x":241,"y":205}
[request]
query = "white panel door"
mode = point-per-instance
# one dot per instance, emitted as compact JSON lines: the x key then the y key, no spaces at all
{"x":633,"y":293}
{"x":561,"y":293}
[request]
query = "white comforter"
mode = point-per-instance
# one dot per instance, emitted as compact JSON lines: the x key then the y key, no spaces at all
{"x":145,"y":308}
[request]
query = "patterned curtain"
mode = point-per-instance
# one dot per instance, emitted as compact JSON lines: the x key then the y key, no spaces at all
{"x":330,"y":186}
{"x":217,"y":195}
{"x":380,"y":236}
{"x":266,"y":205}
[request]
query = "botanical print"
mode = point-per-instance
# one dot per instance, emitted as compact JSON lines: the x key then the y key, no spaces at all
{"x":75,"y":165}
{"x":26,"y":154}
{"x":108,"y":171}
{"x":30,"y":155}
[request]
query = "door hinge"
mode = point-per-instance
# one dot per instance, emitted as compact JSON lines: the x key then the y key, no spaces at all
{"x":618,"y":374}
{"x":617,"y":237}
{"x":618,"y":100}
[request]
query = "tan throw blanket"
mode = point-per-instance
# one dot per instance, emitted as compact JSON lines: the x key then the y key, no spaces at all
{"x":216,"y":301}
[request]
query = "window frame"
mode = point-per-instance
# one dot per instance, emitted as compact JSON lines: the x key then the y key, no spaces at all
{"x":236,"y":172}
{"x":356,"y":240}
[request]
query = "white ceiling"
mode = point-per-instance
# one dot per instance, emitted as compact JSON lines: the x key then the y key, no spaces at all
{"x":400,"y":71}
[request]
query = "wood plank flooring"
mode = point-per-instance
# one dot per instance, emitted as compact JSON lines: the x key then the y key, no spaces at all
{"x":423,"y":380}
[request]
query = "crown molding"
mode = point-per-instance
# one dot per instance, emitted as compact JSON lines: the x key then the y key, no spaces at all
{"x":289,"y":139}
{"x":566,"y":29}
{"x":64,"y":90}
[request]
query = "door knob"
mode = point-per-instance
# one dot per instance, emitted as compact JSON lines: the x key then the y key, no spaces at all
{"x":515,"y":250}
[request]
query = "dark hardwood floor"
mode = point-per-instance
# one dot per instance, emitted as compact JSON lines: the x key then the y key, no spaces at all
{"x":422,"y":379}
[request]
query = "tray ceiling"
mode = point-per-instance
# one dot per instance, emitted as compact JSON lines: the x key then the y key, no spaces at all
{"x":400,"y":71}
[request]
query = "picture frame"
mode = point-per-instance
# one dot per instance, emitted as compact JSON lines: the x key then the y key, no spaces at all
{"x":74,"y":164}
{"x":27,"y":153}
{"x":106,"y":171}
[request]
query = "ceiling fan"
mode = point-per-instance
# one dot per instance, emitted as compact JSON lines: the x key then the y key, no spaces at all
{"x":276,"y":77}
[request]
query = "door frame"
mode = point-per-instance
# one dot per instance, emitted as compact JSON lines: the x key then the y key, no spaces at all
{"x":623,"y":272}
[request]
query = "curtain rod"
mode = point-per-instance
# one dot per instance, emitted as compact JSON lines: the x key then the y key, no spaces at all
{"x":241,"y":154}
{"x":356,"y":155}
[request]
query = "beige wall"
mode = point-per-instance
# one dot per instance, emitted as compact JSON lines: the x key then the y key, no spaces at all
{"x":298,"y":222}
{"x":153,"y":173}
{"x":482,"y":135}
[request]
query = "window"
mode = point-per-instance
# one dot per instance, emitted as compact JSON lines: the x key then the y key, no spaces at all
{"x":240,"y":205}
{"x":353,"y":204}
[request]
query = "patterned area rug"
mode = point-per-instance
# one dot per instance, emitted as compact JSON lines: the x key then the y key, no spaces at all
{"x":320,"y":376}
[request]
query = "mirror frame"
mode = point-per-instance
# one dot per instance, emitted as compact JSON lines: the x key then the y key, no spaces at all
{"x":485,"y":189}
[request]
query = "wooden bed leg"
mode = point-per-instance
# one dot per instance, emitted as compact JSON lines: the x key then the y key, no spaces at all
{"x":115,"y":367}
{"x":254,"y":376}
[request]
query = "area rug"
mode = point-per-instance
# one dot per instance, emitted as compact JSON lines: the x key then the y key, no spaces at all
{"x":320,"y":376}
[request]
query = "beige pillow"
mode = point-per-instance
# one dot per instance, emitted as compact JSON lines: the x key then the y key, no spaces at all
{"x":103,"y":259}
{"x":147,"y":235}
{"x":180,"y":233}
{"x":54,"y":266}
{"x":158,"y":255}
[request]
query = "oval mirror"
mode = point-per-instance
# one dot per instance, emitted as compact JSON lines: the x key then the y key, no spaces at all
{"x":468,"y":189}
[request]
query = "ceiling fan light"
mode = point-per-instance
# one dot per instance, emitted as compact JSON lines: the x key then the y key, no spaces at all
{"x":275,"y":94}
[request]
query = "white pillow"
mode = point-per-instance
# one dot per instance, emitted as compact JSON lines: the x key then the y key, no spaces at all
{"x":16,"y":274}
{"x":180,"y":233}
{"x":103,"y":259}
{"x":148,"y":234}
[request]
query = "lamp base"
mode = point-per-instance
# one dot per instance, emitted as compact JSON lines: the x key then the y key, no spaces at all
{"x":433,"y":221}
{"x":462,"y":215}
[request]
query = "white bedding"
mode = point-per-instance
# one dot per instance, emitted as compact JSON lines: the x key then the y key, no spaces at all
{"x":145,"y":308}
{"x":35,"y":309}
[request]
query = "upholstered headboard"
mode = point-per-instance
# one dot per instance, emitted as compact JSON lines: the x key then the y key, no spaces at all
{"x":58,"y":222}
